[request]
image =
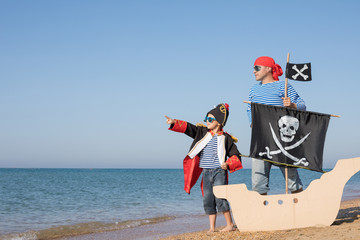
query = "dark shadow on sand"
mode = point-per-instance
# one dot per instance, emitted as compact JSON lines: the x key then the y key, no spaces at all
{"x":347,"y":215}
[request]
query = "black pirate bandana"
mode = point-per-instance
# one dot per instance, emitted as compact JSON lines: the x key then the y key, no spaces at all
{"x":221,"y":113}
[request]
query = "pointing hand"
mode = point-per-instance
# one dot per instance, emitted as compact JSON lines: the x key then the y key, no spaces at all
{"x":169,"y":120}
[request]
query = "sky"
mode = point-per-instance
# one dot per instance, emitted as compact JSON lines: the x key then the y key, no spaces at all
{"x":86,"y":84}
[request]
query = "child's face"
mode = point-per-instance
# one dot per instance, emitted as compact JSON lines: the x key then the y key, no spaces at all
{"x":212,"y":125}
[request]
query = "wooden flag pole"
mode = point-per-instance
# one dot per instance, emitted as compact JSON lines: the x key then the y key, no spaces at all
{"x":286,"y":79}
{"x":286,"y":87}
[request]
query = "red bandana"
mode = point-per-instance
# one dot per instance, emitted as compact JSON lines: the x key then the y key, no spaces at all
{"x":269,"y":62}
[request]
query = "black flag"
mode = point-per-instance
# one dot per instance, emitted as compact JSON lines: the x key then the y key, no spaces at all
{"x":300,"y":72}
{"x":288,"y":136}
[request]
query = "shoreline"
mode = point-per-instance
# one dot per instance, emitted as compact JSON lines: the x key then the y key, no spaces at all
{"x":345,"y":226}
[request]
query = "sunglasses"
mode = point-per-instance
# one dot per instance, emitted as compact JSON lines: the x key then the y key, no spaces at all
{"x":257,"y":68}
{"x":209,"y":119}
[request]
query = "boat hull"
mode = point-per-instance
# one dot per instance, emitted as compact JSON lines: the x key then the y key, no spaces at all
{"x":318,"y":205}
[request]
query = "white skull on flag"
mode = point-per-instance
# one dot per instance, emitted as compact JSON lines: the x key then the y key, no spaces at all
{"x":288,"y":126}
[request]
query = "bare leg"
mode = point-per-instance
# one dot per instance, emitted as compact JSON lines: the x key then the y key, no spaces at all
{"x":212,"y":220}
{"x":229,"y":223}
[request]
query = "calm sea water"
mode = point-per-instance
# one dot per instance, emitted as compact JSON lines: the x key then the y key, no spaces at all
{"x":40,"y":199}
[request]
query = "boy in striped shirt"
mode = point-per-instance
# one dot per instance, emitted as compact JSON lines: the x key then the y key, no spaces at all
{"x":271,"y":91}
{"x":208,"y":154}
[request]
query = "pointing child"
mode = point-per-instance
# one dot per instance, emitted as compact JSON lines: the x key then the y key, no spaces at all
{"x":213,"y":152}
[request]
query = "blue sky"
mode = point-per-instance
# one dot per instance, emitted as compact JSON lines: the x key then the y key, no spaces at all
{"x":87,"y":83}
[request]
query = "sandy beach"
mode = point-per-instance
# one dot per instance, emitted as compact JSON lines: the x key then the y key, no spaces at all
{"x":346,"y":226}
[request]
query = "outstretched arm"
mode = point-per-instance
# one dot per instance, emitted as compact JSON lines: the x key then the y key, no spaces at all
{"x":182,"y":127}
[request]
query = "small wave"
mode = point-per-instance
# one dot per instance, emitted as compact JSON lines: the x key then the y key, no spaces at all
{"x":82,"y":228}
{"x":30,"y":235}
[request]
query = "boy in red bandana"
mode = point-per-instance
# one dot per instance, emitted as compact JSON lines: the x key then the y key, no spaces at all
{"x":271,"y":91}
{"x":208,"y":153}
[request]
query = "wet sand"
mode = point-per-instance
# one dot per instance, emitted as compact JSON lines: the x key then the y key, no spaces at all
{"x":178,"y":225}
{"x":346,"y":226}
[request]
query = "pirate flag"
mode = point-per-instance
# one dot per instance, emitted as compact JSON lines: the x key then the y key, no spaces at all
{"x":300,"y":72}
{"x":287,"y":136}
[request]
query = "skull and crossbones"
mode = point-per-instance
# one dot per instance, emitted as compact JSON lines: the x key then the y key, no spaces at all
{"x":300,"y":72}
{"x":287,"y":126}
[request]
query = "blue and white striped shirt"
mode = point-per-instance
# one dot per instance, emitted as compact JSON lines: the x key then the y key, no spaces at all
{"x":271,"y":94}
{"x":209,"y":155}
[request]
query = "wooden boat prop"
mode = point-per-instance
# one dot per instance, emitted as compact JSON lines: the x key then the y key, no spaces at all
{"x":318,"y":205}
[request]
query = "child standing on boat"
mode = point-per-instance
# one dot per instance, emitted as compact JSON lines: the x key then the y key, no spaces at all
{"x":208,"y":153}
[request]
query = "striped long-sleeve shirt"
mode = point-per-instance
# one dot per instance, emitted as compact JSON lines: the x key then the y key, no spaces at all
{"x":271,"y":94}
{"x":209,"y":155}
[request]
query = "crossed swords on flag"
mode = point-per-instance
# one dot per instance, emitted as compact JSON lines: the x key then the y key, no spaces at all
{"x":284,"y":150}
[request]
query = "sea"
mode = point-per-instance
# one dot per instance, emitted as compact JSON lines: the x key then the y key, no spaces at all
{"x":56,"y":203}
